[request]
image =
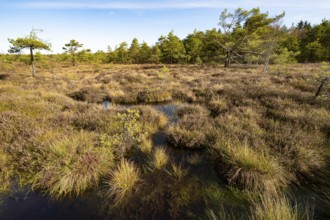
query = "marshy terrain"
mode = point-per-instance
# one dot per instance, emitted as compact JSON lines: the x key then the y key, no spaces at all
{"x":176,"y":142}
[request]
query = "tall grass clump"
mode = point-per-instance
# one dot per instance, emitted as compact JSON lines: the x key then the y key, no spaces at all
{"x":146,"y":145}
{"x":222,"y":214}
{"x":69,"y":165}
{"x":123,"y":181}
{"x":278,"y":208}
{"x":243,"y":166}
{"x":178,"y":171}
{"x":160,"y":158}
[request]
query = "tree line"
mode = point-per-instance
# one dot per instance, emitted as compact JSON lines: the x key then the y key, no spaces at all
{"x":243,"y":36}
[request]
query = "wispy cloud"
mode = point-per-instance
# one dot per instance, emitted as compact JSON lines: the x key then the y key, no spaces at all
{"x":121,"y":5}
{"x":167,"y":4}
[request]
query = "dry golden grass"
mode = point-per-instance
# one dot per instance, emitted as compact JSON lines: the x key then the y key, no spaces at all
{"x":278,"y":208}
{"x":252,"y":169}
{"x":123,"y":181}
{"x":160,"y":158}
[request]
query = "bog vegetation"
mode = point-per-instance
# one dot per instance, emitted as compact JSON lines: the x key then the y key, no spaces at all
{"x":239,"y":145}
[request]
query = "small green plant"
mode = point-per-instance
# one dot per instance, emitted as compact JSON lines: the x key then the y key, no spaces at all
{"x":162,"y":74}
{"x":126,"y":130}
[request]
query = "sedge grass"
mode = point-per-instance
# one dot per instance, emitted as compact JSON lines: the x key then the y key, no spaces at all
{"x":123,"y":181}
{"x":252,"y":169}
{"x":160,"y":158}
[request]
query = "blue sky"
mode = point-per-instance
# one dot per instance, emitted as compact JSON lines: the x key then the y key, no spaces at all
{"x":99,"y":23}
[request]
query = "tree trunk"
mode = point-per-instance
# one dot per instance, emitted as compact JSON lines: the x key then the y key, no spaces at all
{"x":267,"y":58}
{"x":228,"y":59}
{"x":32,"y":62}
{"x":266,"y":65}
{"x":73,"y":60}
{"x":320,"y":87}
{"x":33,"y":69}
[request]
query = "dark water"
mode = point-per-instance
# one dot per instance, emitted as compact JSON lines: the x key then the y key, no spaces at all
{"x":28,"y":205}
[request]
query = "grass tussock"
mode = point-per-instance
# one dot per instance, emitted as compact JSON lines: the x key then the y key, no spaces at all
{"x":160,"y":158}
{"x":253,"y":169}
{"x":146,"y":145}
{"x":69,"y":165}
{"x":178,"y":171}
{"x":154,"y":95}
{"x":190,"y":132}
{"x":277,"y":208}
{"x":123,"y":181}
